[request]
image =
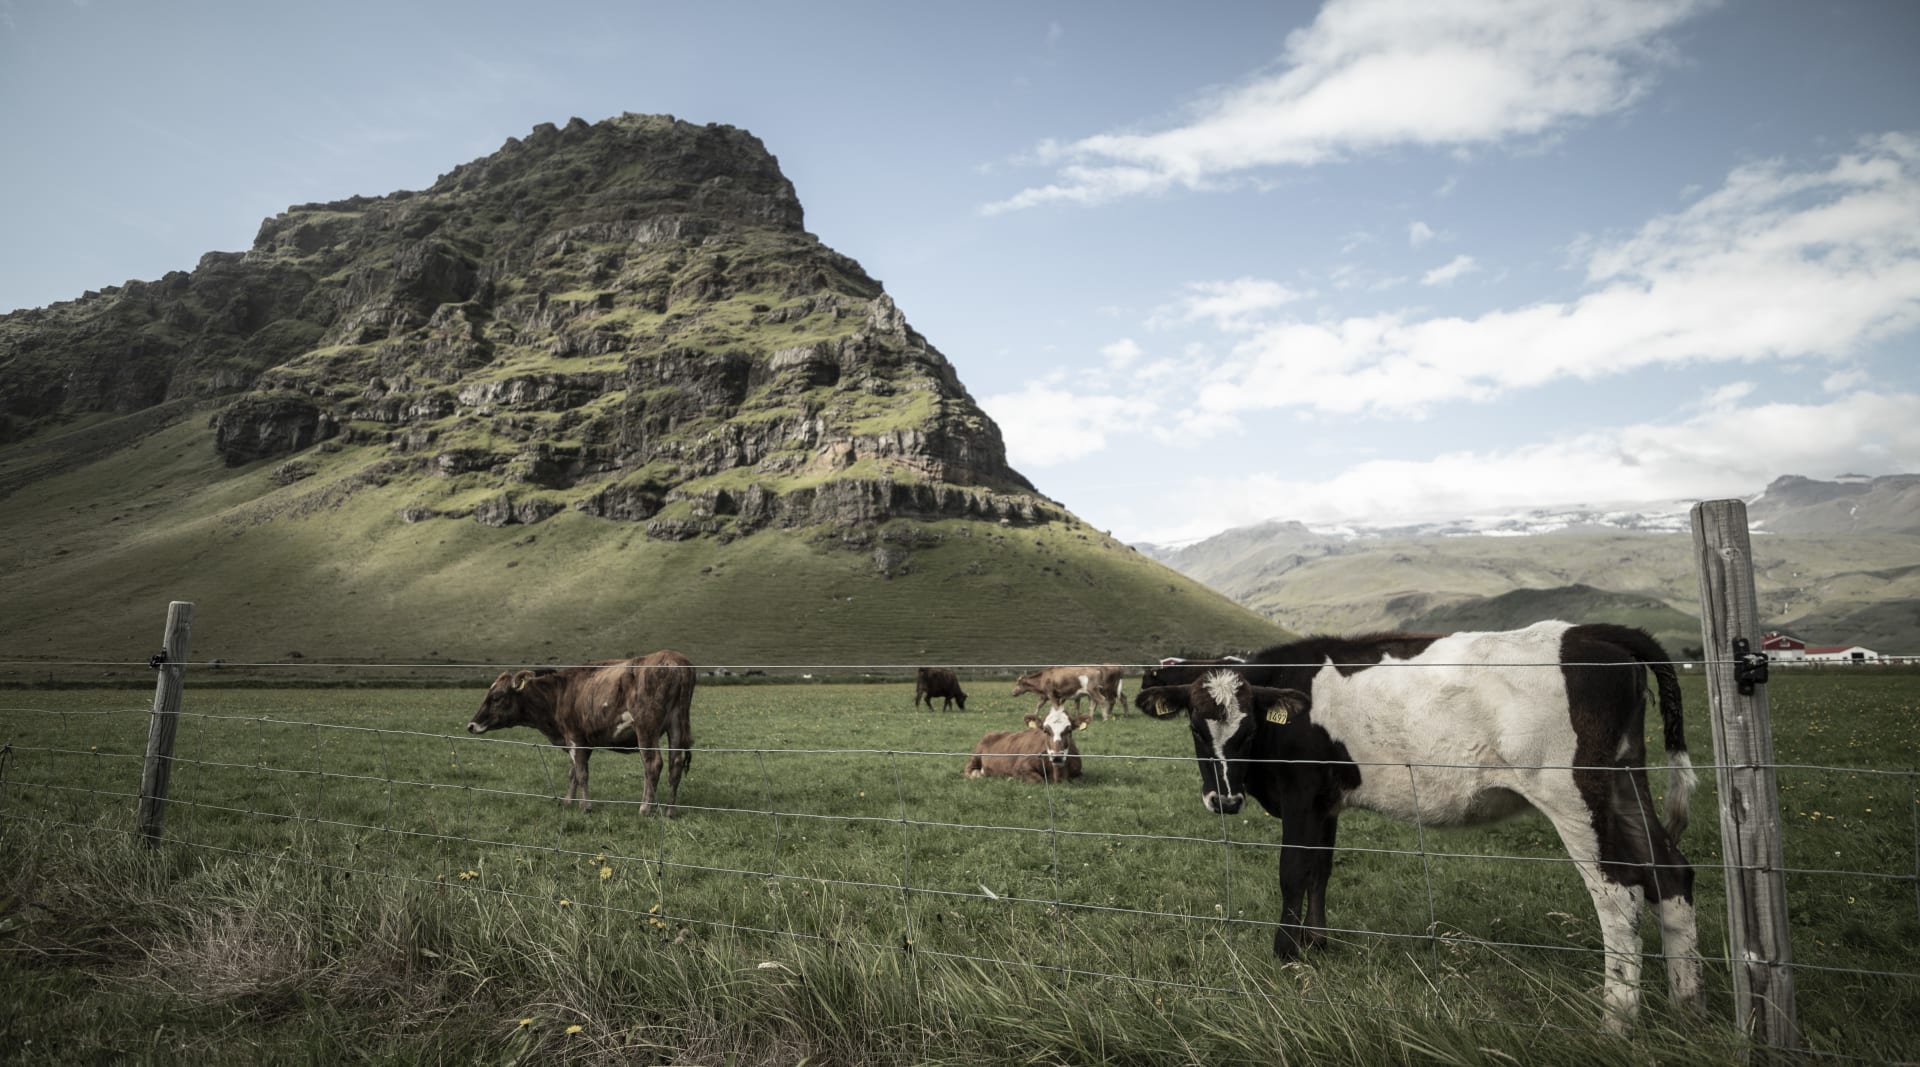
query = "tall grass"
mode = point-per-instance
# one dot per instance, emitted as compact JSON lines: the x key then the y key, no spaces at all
{"x":347,"y":878}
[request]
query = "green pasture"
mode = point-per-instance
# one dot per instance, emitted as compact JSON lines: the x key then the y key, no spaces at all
{"x":347,"y":874}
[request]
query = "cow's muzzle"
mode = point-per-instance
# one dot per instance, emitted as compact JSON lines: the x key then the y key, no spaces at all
{"x":476,"y":728}
{"x":1223,"y":805}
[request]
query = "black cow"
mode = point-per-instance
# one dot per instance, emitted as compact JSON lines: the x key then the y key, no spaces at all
{"x":1453,"y":731}
{"x":930,"y":682}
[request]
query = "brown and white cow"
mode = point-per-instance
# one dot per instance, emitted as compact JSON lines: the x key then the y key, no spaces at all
{"x":1458,"y":730}
{"x":1057,"y":685}
{"x":623,"y":705}
{"x":1044,"y":751}
{"x":930,"y":682}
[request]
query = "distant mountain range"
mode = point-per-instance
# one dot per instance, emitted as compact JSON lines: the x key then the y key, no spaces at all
{"x":1836,"y":562}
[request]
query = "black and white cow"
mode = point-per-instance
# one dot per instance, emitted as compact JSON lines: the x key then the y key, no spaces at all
{"x":1452,"y":731}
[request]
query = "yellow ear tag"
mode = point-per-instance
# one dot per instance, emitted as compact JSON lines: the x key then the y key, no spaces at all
{"x":1277,"y":714}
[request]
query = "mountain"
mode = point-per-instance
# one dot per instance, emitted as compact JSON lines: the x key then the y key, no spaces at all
{"x":1837,"y":562}
{"x":596,"y":392}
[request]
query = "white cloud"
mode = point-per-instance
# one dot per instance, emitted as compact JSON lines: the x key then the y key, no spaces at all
{"x":1446,"y":273}
{"x":1776,"y":265}
{"x":1724,"y":450}
{"x":1122,"y":353}
{"x":1234,"y":306}
{"x":1044,"y":424}
{"x":1374,"y":74}
{"x":1842,"y":381}
{"x":1419,"y":233}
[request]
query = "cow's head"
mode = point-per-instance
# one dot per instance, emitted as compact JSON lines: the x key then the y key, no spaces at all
{"x":1059,"y":728}
{"x":1226,"y":714}
{"x":1177,"y":670}
{"x":1027,"y":683}
{"x":503,"y":706}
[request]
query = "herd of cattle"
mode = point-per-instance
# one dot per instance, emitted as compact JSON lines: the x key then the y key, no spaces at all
{"x":1485,"y":725}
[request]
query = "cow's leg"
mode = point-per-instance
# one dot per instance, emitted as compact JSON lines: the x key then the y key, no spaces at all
{"x":1610,"y":876}
{"x":1301,"y":841}
{"x":679,"y":758}
{"x":577,"y":779}
{"x":1319,"y":871}
{"x":1679,"y":935}
{"x":650,"y":755}
{"x":1667,"y":881}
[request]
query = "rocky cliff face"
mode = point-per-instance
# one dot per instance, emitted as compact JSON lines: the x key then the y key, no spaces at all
{"x":626,"y":319}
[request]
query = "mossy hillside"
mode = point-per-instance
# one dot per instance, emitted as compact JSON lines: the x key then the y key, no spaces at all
{"x":326,"y":567}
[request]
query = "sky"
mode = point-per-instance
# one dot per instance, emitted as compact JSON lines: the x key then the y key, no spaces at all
{"x":1206,"y":265}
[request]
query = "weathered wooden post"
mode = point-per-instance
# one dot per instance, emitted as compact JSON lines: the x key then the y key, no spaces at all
{"x":165,"y":720}
{"x":1761,"y":956}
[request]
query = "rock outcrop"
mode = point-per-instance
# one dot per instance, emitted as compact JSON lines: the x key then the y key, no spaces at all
{"x":625,"y":319}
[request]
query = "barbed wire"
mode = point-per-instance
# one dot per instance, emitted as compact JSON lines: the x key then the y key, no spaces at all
{"x":23,"y":756}
{"x":1883,"y":659}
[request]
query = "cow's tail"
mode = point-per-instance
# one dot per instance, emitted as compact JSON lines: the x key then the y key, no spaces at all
{"x":1680,"y":775}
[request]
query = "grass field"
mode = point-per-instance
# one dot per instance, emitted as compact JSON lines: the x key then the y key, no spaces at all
{"x":348,"y":876}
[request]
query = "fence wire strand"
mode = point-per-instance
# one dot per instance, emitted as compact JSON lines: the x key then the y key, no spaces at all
{"x":290,"y":785}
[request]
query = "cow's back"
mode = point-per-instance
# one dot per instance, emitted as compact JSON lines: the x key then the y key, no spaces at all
{"x":666,"y":680}
{"x":598,"y":700}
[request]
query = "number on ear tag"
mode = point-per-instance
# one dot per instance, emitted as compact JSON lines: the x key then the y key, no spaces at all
{"x":1277,"y":714}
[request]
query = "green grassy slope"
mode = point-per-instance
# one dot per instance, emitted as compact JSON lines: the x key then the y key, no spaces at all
{"x":326,"y":567}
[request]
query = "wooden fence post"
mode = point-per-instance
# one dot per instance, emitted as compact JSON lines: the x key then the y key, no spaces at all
{"x":165,"y":720}
{"x":1760,"y":954}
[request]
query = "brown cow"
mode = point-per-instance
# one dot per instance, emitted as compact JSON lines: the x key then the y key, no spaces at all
{"x":623,"y":705}
{"x":932,"y":682}
{"x":1057,"y":685}
{"x":1043,"y":751}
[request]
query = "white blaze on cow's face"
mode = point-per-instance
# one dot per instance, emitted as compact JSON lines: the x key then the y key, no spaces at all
{"x":1219,"y":713}
{"x":1059,"y":728}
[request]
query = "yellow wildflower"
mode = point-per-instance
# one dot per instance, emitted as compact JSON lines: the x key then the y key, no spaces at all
{"x":575,"y":1028}
{"x":606,"y":873}
{"x":564,"y":902}
{"x":524,"y":1023}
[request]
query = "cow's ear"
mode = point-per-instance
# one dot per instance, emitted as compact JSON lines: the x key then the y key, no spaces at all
{"x":1279,"y":706}
{"x":1033,"y":723}
{"x":1164,"y":701}
{"x":521,"y":679}
{"x":504,"y":680}
{"x":1080,"y":722}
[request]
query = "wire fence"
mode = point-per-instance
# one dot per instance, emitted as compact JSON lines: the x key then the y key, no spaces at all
{"x":786,"y":831}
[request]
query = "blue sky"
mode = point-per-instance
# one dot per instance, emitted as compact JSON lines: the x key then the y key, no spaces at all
{"x":1363,"y":260}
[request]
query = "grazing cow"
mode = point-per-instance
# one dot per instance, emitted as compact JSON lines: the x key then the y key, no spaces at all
{"x":623,"y":705}
{"x":1057,"y":685}
{"x":1453,"y":731}
{"x":930,"y":682}
{"x":1043,"y":751}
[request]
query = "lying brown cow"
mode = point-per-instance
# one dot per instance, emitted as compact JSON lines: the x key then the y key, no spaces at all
{"x":1043,"y":751}
{"x":623,"y":705}
{"x":932,"y":682}
{"x":1057,"y":685}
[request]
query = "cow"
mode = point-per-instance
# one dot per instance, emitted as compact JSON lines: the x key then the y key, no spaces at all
{"x":1182,"y":670}
{"x":1057,"y":685}
{"x":930,"y":682}
{"x":1044,"y":751}
{"x":623,"y":705}
{"x":1485,"y":725}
